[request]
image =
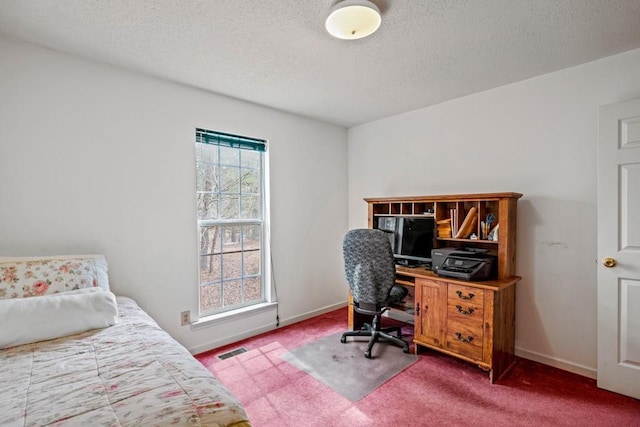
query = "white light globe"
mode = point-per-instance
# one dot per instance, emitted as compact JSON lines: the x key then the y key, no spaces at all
{"x":353,"y":19}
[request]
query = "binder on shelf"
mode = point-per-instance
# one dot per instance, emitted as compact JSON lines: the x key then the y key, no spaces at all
{"x":468,"y":224}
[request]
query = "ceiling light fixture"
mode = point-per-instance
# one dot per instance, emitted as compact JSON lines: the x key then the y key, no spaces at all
{"x":353,"y":19}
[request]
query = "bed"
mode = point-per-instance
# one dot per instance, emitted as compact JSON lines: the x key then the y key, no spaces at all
{"x":128,"y":373}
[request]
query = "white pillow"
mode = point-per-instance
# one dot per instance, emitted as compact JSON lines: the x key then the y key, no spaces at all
{"x":27,"y":320}
{"x":102,"y":268}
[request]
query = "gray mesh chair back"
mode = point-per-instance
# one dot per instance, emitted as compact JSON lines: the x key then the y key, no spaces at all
{"x":369,"y":266}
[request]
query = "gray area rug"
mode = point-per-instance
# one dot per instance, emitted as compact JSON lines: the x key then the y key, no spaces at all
{"x":344,"y":368}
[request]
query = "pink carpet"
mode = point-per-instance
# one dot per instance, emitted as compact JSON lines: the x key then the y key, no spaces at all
{"x":437,"y":390}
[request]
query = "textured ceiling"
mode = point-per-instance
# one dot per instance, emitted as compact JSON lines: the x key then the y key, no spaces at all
{"x":277,"y":52}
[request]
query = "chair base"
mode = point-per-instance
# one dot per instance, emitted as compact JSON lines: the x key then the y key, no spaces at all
{"x":375,"y":332}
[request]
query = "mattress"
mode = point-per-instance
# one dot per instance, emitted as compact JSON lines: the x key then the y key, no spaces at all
{"x":131,"y":373}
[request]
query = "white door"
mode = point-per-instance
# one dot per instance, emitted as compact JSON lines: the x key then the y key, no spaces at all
{"x":619,"y":248}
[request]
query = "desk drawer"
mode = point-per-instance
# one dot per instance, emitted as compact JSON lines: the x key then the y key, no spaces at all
{"x":466,"y":294}
{"x":465,"y":338}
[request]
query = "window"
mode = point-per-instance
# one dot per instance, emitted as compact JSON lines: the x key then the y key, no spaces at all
{"x":230,"y":190}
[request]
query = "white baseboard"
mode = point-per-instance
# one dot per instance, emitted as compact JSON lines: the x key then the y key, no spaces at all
{"x":265,"y":328}
{"x":310,"y":314}
{"x":565,"y":365}
{"x":230,"y":340}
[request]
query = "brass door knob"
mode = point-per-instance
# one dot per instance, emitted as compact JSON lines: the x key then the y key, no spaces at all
{"x":609,"y":262}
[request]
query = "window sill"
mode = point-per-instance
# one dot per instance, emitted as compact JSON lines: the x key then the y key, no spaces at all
{"x":233,"y":315}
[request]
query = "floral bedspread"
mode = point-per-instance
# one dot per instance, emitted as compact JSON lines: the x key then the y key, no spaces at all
{"x":129,"y":374}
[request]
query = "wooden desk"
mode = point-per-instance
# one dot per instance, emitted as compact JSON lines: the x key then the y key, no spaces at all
{"x":473,"y":321}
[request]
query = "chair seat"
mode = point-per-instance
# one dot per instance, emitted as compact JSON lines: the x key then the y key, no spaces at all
{"x":396,"y":294}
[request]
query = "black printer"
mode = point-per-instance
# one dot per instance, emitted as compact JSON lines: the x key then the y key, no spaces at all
{"x":464,"y":264}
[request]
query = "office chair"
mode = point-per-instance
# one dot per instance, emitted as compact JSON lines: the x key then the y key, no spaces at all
{"x":370,"y":271}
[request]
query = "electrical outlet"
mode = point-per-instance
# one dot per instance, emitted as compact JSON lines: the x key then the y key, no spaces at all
{"x":185,"y":318}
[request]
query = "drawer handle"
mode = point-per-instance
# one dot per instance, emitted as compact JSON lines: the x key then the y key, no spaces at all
{"x":459,"y":337}
{"x":463,"y":311}
{"x":470,"y":296}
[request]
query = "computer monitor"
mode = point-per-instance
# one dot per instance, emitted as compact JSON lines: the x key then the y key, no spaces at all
{"x":411,"y":238}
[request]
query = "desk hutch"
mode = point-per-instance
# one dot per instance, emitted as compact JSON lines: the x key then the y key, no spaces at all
{"x":474,"y":321}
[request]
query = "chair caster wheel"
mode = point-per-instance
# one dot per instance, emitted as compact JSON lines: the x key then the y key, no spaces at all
{"x":343,"y":340}
{"x":405,"y":349}
{"x":367,"y":354}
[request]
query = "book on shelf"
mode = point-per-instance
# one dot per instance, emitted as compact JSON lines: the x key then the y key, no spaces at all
{"x":468,"y":224}
{"x":453,"y":213}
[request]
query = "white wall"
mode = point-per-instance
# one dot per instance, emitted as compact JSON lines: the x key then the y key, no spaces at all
{"x":95,"y":158}
{"x":537,"y":137}
{"x":98,"y":159}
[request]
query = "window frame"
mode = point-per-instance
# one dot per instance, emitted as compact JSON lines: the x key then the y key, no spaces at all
{"x":241,"y":144}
